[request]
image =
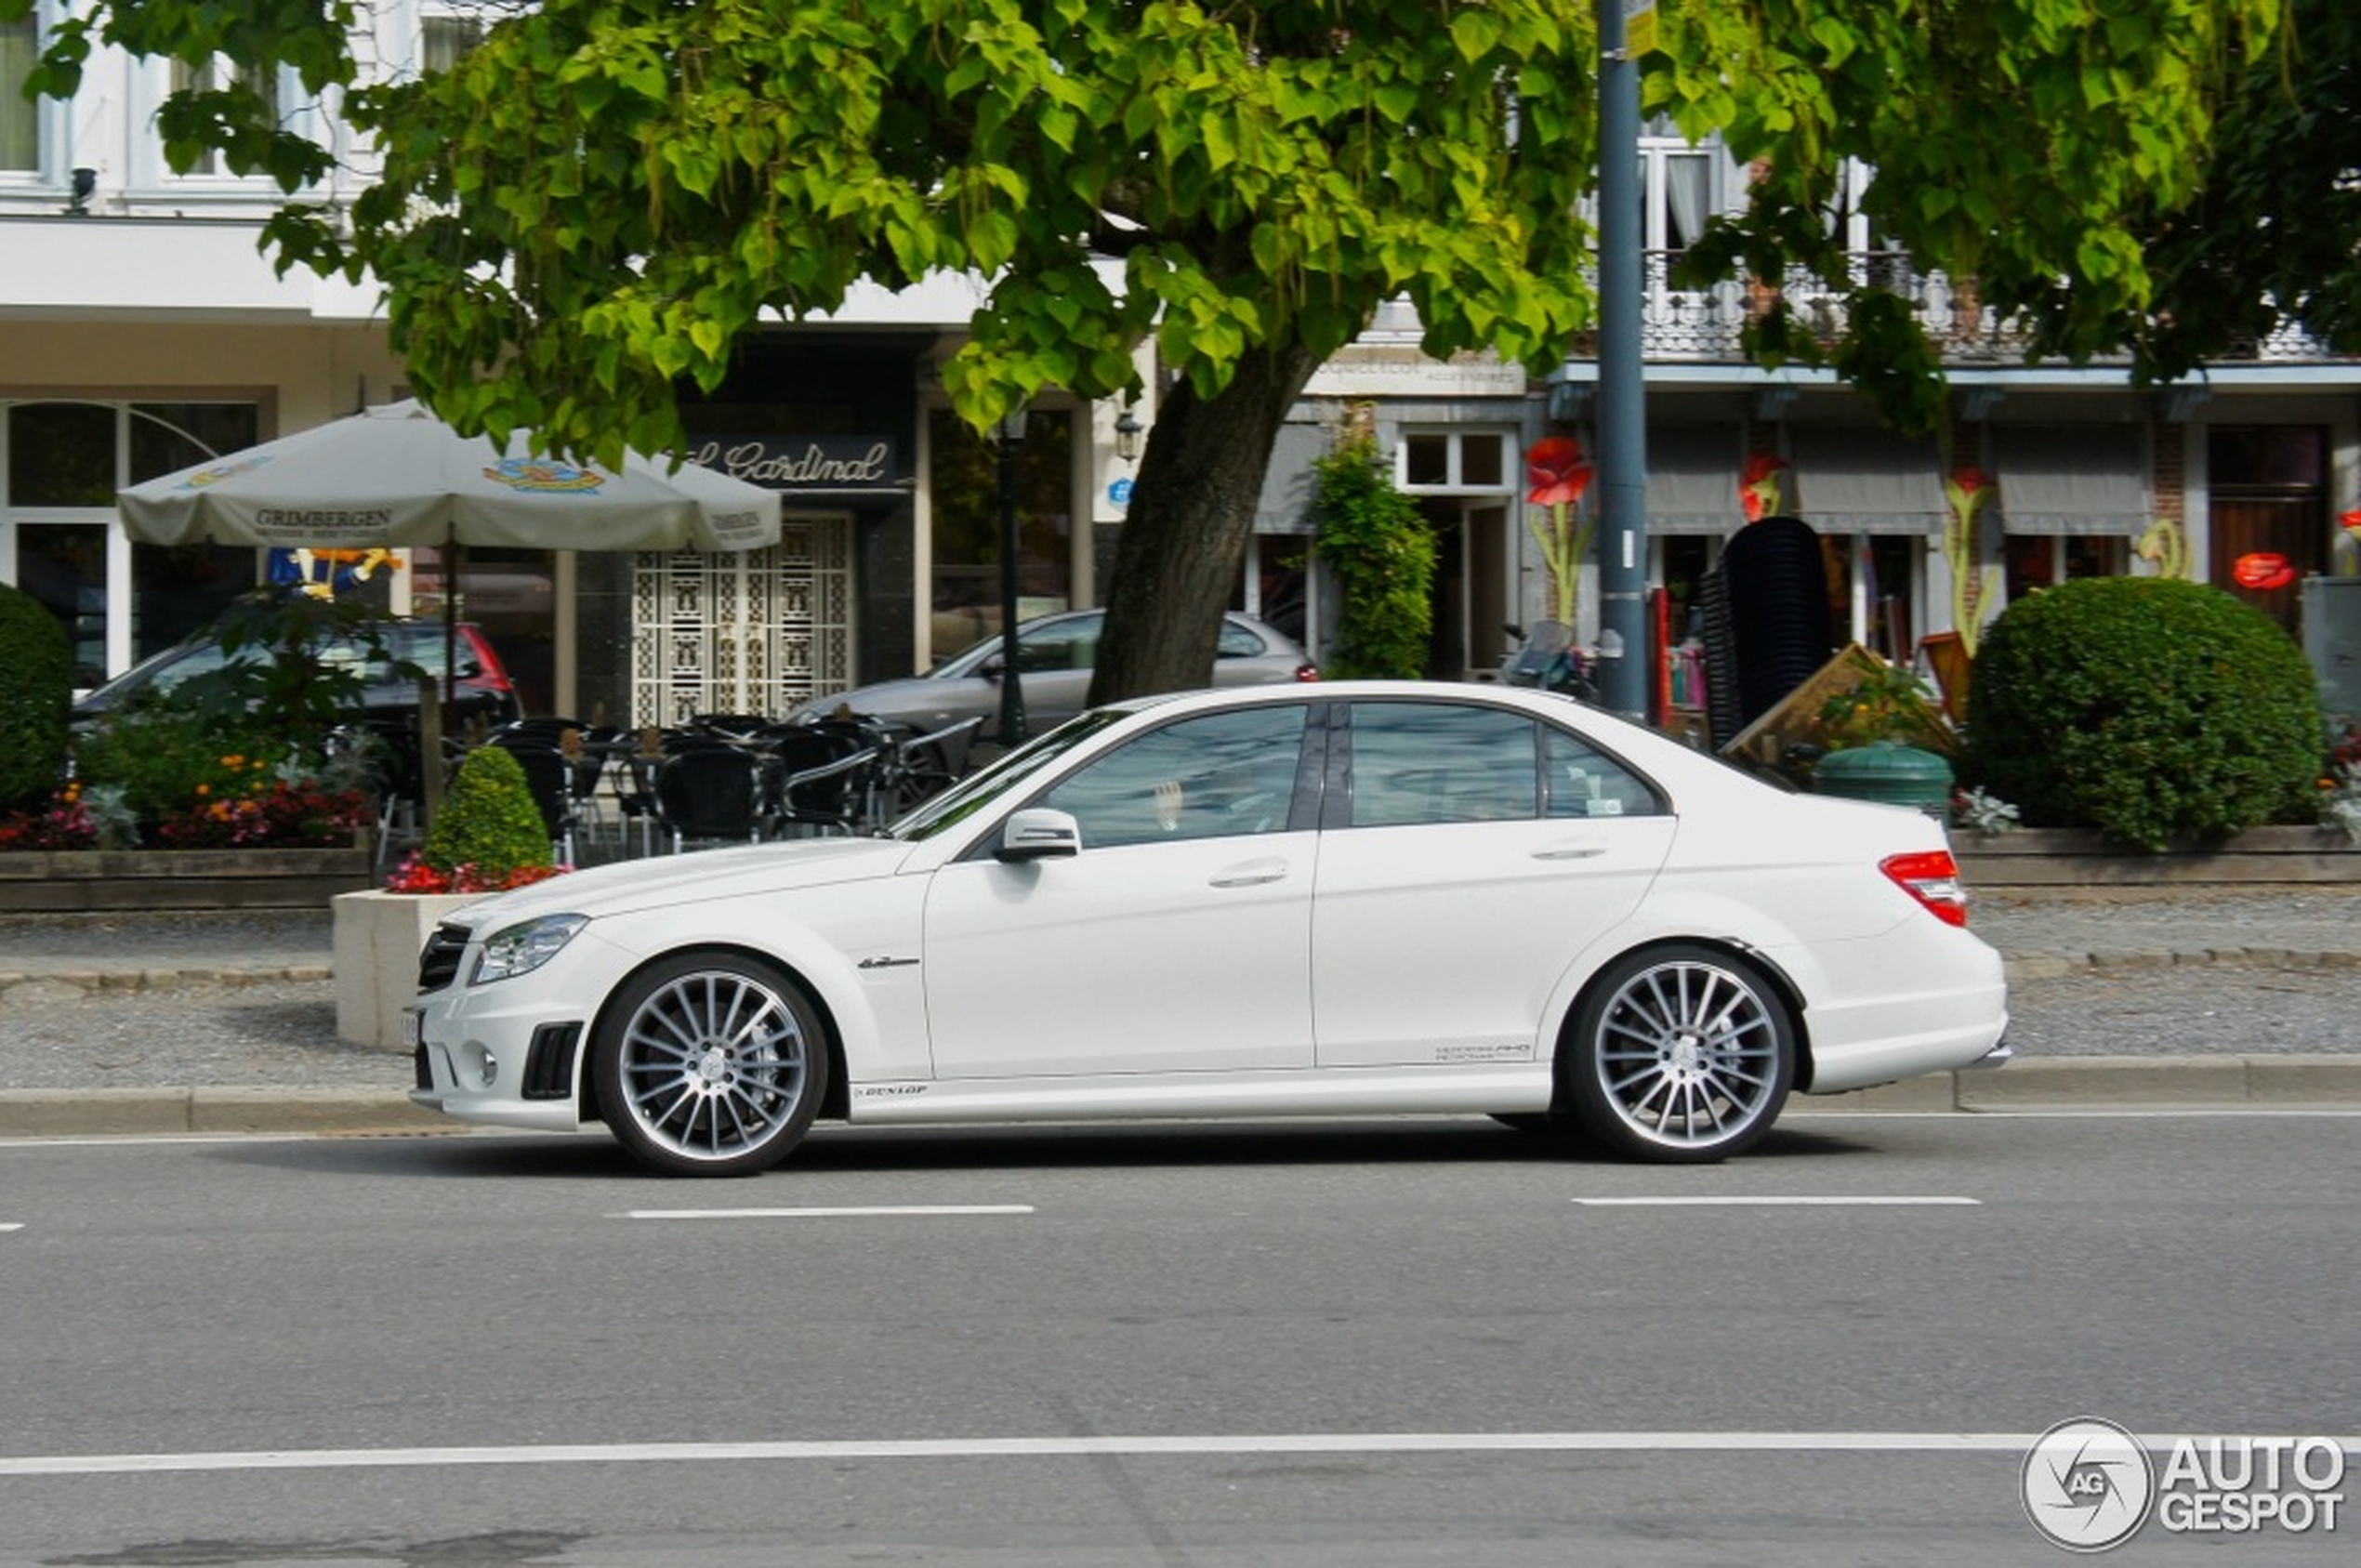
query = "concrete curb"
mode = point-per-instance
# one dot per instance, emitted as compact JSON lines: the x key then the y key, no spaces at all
{"x":2057,"y":1085}
{"x":2080,"y":1083}
{"x":170,"y":1111}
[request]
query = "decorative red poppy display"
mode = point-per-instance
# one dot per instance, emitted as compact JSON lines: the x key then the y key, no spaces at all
{"x":1555,"y":470}
{"x":1759,"y":485}
{"x":2262,"y":571}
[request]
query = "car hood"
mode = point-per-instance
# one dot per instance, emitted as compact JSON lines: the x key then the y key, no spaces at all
{"x":936,"y":697}
{"x":630,"y":887}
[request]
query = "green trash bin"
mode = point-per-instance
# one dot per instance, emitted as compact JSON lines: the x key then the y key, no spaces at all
{"x":1888,"y":771}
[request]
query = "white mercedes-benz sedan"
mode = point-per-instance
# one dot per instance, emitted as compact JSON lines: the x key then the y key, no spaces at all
{"x":1354,"y":898}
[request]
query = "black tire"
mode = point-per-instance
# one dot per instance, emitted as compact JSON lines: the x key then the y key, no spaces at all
{"x":710,"y":1064}
{"x":1681,"y":1054}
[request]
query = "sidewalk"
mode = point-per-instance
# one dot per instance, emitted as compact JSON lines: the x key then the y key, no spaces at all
{"x":200,"y":1021}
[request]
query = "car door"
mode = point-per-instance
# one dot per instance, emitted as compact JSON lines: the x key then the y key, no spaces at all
{"x":1470,"y":854}
{"x":1178,"y":940}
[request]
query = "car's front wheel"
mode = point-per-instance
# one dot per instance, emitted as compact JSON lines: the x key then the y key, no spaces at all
{"x":710,"y":1064}
{"x":1681,"y":1053}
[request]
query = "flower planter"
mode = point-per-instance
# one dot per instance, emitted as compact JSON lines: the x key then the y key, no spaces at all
{"x":2036,"y":857}
{"x":376,"y":939}
{"x":72,"y":880}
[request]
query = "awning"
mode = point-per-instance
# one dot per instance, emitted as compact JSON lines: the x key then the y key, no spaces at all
{"x":1864,"y":479}
{"x":1288,"y":484}
{"x":1693,"y":479}
{"x":2072,"y":478}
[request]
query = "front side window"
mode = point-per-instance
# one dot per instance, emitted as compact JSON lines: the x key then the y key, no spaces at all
{"x":1220,"y":775}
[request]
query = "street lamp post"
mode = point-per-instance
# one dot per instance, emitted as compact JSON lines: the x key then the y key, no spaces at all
{"x":1008,"y":435}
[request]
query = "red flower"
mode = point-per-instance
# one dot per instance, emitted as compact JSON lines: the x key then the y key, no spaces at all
{"x":2352,"y":521}
{"x":1553,"y":466}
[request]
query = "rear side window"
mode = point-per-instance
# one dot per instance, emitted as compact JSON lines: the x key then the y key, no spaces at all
{"x":1441,"y":762}
{"x":1578,"y":780}
{"x":1417,"y":763}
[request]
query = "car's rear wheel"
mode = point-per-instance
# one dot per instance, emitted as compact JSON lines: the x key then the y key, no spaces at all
{"x":710,"y":1064}
{"x":1680,"y":1054}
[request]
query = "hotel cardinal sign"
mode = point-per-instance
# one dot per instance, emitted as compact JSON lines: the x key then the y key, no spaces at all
{"x":839,"y":465}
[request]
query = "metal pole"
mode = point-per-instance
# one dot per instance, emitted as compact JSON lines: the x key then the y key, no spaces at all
{"x":1623,"y":454}
{"x":1013,"y":725}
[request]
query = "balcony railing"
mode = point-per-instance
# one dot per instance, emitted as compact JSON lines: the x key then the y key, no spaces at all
{"x":1704,"y":325}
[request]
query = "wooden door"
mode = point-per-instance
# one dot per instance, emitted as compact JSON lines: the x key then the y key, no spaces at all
{"x":2251,"y":524}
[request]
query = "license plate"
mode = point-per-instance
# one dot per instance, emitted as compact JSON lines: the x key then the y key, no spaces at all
{"x":410,"y":1019}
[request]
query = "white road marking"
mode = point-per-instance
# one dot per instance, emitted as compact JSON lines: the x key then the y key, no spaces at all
{"x":11,"y":1225}
{"x":1026,"y":1447}
{"x":1773,"y":1200}
{"x":853,"y":1211}
{"x":2013,"y":1444}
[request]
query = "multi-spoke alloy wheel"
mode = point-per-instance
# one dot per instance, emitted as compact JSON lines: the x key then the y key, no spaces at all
{"x":710,"y":1064}
{"x":1681,"y":1053}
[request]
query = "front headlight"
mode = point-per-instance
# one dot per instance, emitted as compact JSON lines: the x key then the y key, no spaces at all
{"x":519,"y":950}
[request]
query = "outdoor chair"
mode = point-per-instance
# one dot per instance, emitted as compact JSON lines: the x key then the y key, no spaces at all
{"x":816,"y":780}
{"x":709,"y":793}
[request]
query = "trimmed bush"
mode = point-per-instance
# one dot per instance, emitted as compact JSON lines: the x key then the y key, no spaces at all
{"x":1381,"y":554}
{"x":34,"y":700}
{"x":488,"y":822}
{"x":2154,"y":710}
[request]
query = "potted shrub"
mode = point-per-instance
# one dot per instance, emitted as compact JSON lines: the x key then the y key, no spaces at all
{"x":487,"y":837}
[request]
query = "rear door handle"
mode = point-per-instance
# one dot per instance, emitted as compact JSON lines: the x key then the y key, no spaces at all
{"x":1571,"y":852}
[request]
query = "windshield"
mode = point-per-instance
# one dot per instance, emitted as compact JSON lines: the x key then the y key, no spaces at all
{"x":970,"y":794}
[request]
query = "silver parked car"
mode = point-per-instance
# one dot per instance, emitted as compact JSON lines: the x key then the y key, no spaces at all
{"x":1055,"y":655}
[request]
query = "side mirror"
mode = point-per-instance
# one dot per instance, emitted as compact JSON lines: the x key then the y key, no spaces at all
{"x":1036,"y":833}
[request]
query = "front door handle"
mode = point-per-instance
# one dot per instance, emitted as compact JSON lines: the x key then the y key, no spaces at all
{"x":1249,"y":874}
{"x":1571,"y":852}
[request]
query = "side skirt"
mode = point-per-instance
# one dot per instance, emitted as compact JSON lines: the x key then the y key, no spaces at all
{"x":1488,"y":1090}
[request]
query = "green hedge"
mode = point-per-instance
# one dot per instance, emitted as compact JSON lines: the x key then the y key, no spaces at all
{"x":2154,"y":710}
{"x":35,"y":699}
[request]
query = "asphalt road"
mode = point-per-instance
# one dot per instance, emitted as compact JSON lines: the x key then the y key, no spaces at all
{"x":1397,"y":1343}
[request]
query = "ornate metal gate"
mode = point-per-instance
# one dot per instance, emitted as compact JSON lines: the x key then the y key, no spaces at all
{"x":755,"y":633}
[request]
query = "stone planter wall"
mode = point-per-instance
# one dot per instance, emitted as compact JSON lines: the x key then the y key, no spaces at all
{"x":2038,"y":857}
{"x":73,"y":880}
{"x":377,"y":937}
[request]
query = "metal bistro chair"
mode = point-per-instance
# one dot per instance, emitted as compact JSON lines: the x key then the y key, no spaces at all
{"x":709,"y":793}
{"x":816,"y":780}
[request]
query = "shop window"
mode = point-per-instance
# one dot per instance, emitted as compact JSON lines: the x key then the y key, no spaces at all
{"x":64,"y":463}
{"x":61,"y":455}
{"x":965,"y":489}
{"x":2041,"y":561}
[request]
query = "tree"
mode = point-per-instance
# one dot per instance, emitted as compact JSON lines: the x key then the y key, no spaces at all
{"x":2271,"y":235}
{"x":598,"y":203}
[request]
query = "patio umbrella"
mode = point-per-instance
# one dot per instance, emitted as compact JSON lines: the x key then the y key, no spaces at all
{"x":397,"y":475}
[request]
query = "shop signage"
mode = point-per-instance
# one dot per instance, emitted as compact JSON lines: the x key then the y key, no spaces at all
{"x":838,"y":465}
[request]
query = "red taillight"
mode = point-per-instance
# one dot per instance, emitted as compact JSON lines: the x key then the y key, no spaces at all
{"x":1932,"y":877}
{"x":1307,"y":672}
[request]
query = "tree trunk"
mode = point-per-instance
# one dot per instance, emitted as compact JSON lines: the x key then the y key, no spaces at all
{"x":1185,"y":536}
